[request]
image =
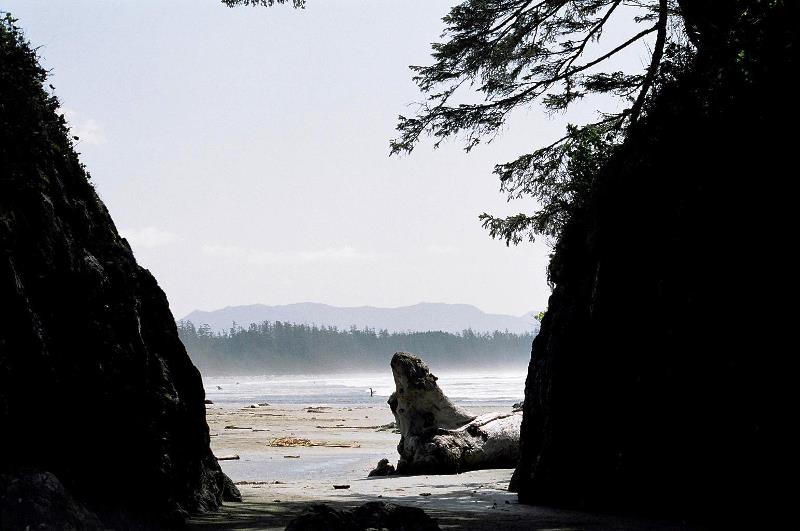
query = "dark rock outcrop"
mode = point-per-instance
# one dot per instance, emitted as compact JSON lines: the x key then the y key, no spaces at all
{"x":657,"y":378}
{"x":382,"y":469}
{"x":95,"y":386}
{"x":230,"y":492}
{"x":38,"y":500}
{"x":436,"y":437}
{"x":372,"y":515}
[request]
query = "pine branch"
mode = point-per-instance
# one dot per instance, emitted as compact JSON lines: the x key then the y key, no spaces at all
{"x":655,"y":61}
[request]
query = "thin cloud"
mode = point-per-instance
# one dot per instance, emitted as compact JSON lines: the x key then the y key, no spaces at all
{"x":344,"y":254}
{"x":86,"y":129}
{"x":149,"y":237}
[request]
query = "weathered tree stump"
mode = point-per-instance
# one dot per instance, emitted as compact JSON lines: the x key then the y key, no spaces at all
{"x":439,"y":438}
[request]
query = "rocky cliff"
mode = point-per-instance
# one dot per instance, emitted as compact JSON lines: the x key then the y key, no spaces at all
{"x":96,"y":389}
{"x":641,"y":394}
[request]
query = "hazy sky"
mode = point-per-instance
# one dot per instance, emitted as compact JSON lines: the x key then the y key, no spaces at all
{"x":244,"y":153}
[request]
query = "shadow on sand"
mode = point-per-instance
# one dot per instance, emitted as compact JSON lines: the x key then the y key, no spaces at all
{"x":462,"y":509}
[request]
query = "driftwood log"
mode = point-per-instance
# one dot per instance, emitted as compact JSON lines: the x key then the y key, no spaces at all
{"x":436,"y":437}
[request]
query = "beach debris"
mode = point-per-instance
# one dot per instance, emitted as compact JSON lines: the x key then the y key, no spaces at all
{"x":289,"y":441}
{"x":383,"y":469}
{"x":291,"y":457}
{"x":318,"y":409}
{"x":424,"y":493}
{"x":372,"y":515}
{"x":341,"y":487}
{"x":233,"y":427}
{"x":228,"y":457}
{"x":286,"y":442}
{"x":343,"y":427}
{"x":263,"y":404}
{"x":518,"y":406}
{"x":251,"y":406}
{"x":437,"y":437}
{"x":392,"y":426}
{"x":209,"y":401}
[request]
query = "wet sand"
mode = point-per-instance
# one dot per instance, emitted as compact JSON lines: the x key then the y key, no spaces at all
{"x":350,"y":438}
{"x":277,"y":482}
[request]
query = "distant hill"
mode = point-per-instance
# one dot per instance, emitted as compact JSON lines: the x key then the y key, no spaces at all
{"x":419,"y":317}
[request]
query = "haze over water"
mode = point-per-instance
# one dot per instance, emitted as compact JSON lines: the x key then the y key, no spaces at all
{"x":465,"y":389}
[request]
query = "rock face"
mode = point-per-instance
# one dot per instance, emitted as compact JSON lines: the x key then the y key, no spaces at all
{"x":95,"y":386}
{"x":439,"y":438}
{"x":372,"y":515}
{"x":644,"y":391}
{"x":39,"y":501}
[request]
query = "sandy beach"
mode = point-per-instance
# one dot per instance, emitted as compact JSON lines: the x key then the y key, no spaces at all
{"x":292,"y":455}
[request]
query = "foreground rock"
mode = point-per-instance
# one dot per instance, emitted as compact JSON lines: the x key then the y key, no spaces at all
{"x":85,"y":328}
{"x":436,"y":437}
{"x":38,"y":500}
{"x":372,"y":515}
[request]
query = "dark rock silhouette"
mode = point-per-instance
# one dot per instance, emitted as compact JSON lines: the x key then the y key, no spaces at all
{"x":96,"y":389}
{"x":39,"y":500}
{"x":436,"y":437}
{"x":372,"y":515}
{"x":382,"y":469}
{"x":644,"y":391}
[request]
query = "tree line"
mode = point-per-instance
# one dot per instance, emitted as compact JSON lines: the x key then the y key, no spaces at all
{"x":285,"y":348}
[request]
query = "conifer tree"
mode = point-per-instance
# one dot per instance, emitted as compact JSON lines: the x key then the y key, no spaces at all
{"x":497,"y":56}
{"x":501,"y":55}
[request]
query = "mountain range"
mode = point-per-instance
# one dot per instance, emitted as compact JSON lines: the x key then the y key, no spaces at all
{"x":418,"y":317}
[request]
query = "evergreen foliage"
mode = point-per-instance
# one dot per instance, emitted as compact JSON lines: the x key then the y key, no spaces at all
{"x":501,"y":55}
{"x":278,"y":347}
{"x":30,"y":118}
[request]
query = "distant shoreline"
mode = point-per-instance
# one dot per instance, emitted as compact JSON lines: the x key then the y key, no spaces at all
{"x":487,"y":370}
{"x":467,"y":390}
{"x":422,"y":317}
{"x":287,"y":348}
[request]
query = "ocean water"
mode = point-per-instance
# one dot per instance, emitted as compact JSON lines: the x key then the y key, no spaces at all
{"x":466,"y":389}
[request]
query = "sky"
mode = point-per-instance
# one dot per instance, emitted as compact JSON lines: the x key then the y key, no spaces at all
{"x":244,"y":153}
